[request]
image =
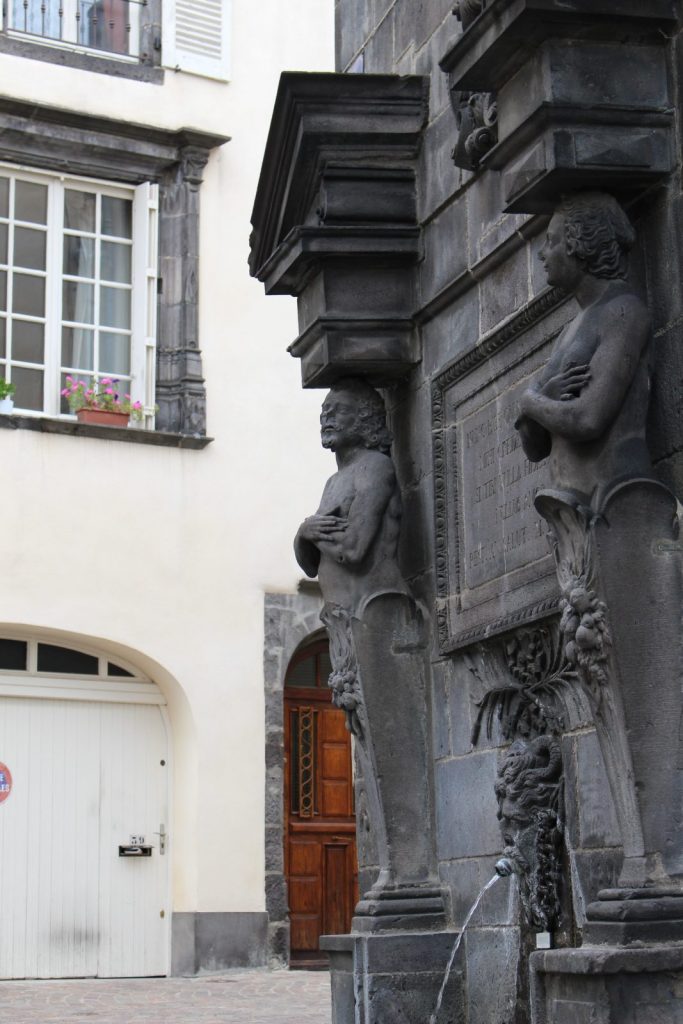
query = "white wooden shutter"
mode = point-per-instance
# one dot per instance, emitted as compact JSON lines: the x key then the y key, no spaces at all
{"x":196,"y":37}
{"x":145,"y":273}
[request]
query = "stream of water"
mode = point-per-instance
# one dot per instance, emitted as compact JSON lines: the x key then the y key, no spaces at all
{"x":456,"y":946}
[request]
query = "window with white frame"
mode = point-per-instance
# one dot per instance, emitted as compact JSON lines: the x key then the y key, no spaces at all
{"x":112,"y":26}
{"x":77,"y":287}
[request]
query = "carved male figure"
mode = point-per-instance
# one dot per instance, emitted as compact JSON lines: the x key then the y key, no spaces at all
{"x":588,"y":408}
{"x":350,"y":543}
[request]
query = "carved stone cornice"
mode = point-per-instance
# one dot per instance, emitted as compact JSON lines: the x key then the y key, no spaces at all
{"x":495,"y":45}
{"x":88,"y":144}
{"x":335,"y":220}
{"x":582,"y":95}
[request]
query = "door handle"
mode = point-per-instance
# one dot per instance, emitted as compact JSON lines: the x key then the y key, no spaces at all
{"x":163,"y":835}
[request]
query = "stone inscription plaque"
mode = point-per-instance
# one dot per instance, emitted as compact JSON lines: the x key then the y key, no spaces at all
{"x":493,"y":565}
{"x":501,"y":530}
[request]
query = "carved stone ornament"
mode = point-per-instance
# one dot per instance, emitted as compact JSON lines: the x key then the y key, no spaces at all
{"x":532,"y":679}
{"x":345,"y":678}
{"x":379,"y":652}
{"x":613,"y":529}
{"x":529,"y":792}
{"x":476,"y":117}
{"x":193,"y":160}
{"x":466,"y":11}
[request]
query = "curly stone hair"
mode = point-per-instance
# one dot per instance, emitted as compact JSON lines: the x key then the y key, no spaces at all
{"x":372,"y":413}
{"x":598,"y":233}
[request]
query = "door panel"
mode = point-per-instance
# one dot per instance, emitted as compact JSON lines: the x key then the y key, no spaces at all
{"x":83,"y":781}
{"x":338,"y":875}
{"x":133,"y":802}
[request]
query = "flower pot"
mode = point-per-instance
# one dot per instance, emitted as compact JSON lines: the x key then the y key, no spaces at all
{"x":6,"y":406}
{"x":102,"y":417}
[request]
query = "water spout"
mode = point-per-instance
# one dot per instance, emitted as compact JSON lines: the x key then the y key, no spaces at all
{"x":501,"y":872}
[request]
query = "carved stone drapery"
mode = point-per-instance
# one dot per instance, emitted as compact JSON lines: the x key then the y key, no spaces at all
{"x":624,"y":641}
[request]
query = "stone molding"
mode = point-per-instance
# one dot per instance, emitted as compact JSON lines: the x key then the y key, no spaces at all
{"x":61,"y":140}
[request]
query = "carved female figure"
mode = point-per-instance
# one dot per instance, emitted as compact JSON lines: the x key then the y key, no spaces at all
{"x":587,"y":410}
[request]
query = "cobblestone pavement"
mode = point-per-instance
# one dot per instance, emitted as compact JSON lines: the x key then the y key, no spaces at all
{"x":235,"y":997}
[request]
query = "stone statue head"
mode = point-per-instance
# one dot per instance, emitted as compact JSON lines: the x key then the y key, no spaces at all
{"x":588,"y":234}
{"x":353,"y":415}
{"x":528,"y":790}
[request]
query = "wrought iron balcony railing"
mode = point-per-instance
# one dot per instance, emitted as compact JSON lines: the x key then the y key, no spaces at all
{"x":112,"y":26}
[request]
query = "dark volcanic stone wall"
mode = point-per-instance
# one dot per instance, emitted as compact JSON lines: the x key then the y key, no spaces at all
{"x":481,"y":267}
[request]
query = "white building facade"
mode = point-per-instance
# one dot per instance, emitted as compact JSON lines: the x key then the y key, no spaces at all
{"x":134,"y":562}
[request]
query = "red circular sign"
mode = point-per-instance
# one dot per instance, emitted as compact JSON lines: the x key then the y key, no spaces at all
{"x":5,"y":782}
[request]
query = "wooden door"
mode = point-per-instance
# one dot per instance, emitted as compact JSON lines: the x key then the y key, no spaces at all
{"x":320,"y":838}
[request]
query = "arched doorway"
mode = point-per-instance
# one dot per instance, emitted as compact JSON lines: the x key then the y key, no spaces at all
{"x":321,"y":863}
{"x":84,"y":884}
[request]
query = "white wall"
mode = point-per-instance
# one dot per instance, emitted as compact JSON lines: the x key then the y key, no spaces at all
{"x":162,"y":555}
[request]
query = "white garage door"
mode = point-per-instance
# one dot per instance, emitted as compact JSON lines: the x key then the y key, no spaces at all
{"x":89,"y":773}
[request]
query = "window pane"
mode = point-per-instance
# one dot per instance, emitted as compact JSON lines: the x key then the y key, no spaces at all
{"x":61,"y":659}
{"x":105,"y":26}
{"x":30,"y":202}
{"x":29,"y":383}
{"x":29,"y":248}
{"x":79,"y":210}
{"x":117,"y":217}
{"x":303,"y":674}
{"x":4,"y":231}
{"x":13,"y":654}
{"x":4,"y":197}
{"x":37,"y":17}
{"x":116,"y":670}
{"x":78,"y":302}
{"x":79,"y":256}
{"x":78,"y":346}
{"x":115,"y":353}
{"x":28,"y":342}
{"x":115,"y":262}
{"x":3,"y":290}
{"x":115,"y":307}
{"x":28,"y":295}
{"x":3,"y":325}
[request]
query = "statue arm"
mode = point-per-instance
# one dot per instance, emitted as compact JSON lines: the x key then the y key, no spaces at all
{"x":375,"y":484}
{"x":586,"y":415}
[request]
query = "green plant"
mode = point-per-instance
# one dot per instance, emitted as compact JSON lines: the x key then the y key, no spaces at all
{"x":102,"y":394}
{"x":7,"y":389}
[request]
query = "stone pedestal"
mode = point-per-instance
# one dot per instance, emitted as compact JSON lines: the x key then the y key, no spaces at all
{"x":393,"y":978}
{"x":607,"y":985}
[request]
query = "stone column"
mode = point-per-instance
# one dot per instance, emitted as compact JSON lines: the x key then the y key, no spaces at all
{"x":181,"y":394}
